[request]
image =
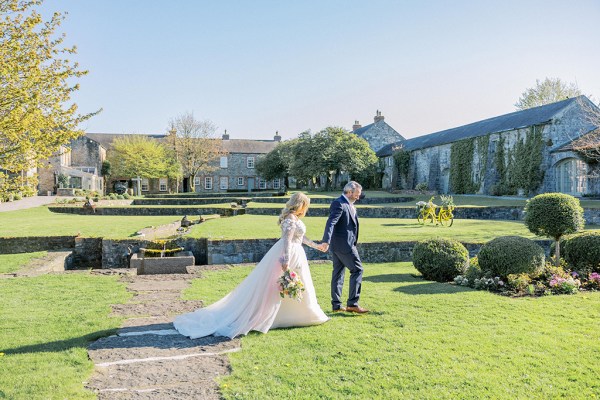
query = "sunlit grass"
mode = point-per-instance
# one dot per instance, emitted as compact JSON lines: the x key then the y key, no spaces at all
{"x":422,"y":340}
{"x":13,"y":262}
{"x":46,"y":324}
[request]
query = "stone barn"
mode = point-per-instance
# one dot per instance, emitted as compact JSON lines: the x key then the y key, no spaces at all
{"x":524,"y":152}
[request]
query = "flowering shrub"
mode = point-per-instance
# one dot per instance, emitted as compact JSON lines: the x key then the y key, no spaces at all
{"x":593,"y":281}
{"x":519,"y":282}
{"x":493,"y":284}
{"x":561,"y":285}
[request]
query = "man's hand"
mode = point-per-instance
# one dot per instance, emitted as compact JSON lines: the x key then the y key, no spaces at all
{"x":324,"y":247}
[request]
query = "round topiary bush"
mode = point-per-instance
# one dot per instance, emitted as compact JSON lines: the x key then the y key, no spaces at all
{"x":507,"y":255}
{"x":554,"y":215}
{"x":440,"y":259}
{"x":582,"y":252}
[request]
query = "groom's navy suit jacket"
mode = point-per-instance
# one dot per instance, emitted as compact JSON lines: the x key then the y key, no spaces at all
{"x":341,"y":231}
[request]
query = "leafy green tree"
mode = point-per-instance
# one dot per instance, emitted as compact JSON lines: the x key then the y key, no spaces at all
{"x":138,"y":156}
{"x":37,"y":81}
{"x":105,"y":171}
{"x":550,"y":90}
{"x":277,"y":162}
{"x":554,"y":215}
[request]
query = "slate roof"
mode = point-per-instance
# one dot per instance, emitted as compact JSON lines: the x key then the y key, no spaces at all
{"x":506,"y":122}
{"x":232,"y":146}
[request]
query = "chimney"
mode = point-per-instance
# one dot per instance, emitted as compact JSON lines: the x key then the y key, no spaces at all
{"x":277,"y":138}
{"x":378,"y":116}
{"x":356,"y":126}
{"x":225,"y":135}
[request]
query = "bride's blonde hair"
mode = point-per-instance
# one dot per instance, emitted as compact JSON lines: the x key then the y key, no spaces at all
{"x":296,"y":205}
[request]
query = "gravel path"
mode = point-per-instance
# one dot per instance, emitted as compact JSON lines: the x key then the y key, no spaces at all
{"x":147,"y":358}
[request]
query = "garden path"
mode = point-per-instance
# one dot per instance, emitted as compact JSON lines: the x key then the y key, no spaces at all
{"x":147,"y":358}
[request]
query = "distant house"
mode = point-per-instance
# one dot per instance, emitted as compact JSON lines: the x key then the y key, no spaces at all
{"x":236,"y":170}
{"x":80,"y":163}
{"x":489,"y":149}
{"x":378,"y":134}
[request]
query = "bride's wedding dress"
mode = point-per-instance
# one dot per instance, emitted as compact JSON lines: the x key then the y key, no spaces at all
{"x":255,"y":305}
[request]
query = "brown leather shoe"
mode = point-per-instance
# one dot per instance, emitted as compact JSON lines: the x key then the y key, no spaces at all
{"x":357,"y":309}
{"x":341,"y":309}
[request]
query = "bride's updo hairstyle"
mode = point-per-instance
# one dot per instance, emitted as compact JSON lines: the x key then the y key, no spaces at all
{"x":296,"y":205}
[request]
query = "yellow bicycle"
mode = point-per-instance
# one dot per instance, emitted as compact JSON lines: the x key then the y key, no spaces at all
{"x":426,"y":211}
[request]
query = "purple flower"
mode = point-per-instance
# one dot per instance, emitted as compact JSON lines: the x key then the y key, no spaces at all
{"x":574,"y":274}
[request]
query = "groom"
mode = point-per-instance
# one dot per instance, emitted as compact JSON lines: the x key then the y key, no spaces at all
{"x":341,"y":235}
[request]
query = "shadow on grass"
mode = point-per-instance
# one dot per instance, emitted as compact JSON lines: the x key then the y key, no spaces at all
{"x":429,"y":287}
{"x":386,"y":278}
{"x":60,"y":345}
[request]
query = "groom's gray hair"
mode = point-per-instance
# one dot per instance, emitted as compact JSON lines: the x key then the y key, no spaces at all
{"x":352,"y":186}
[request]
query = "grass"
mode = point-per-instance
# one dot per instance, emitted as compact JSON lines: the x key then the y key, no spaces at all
{"x":371,"y":229}
{"x":13,"y":262}
{"x":39,"y":221}
{"x":46,"y":323}
{"x":423,"y":340}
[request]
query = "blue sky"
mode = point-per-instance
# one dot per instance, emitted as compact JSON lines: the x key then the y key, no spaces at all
{"x":256,"y":67}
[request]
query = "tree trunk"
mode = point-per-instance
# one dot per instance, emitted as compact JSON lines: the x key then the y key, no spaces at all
{"x":557,"y":253}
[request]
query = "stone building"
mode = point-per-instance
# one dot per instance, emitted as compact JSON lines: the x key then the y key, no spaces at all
{"x":236,"y":170}
{"x":378,"y":134}
{"x":80,"y":163}
{"x":491,"y":155}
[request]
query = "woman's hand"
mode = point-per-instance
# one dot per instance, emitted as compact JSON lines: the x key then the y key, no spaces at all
{"x":284,"y":267}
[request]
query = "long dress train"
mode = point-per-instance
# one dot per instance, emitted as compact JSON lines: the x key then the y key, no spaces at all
{"x":255,"y":304}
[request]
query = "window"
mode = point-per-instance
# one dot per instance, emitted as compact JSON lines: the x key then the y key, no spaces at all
{"x":390,"y":161}
{"x":162,"y":184}
{"x":241,"y":181}
{"x":223,"y":162}
{"x":276,"y":183}
{"x":262,"y":184}
{"x":571,"y":177}
{"x":208,"y":183}
{"x":196,"y":181}
{"x":224,"y":183}
{"x":145,"y":185}
{"x":250,"y":162}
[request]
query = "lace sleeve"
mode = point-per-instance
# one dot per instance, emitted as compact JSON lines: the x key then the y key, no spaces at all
{"x":288,"y":227}
{"x":308,"y":242}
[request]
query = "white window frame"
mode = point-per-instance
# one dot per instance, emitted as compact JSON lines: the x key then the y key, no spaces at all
{"x":224,"y":182}
{"x":163,"y":184}
{"x":223,"y":162}
{"x":145,"y":184}
{"x":262,"y":183}
{"x":208,"y":183}
{"x":276,"y":183}
{"x":240,"y":181}
{"x":250,"y":162}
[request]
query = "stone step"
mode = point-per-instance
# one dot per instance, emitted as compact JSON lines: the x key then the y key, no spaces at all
{"x":159,"y":374}
{"x":156,"y":308}
{"x":184,"y":391}
{"x":145,"y":328}
{"x":148,"y":348}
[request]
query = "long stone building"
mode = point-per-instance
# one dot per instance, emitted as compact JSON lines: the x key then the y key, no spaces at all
{"x":524,"y":152}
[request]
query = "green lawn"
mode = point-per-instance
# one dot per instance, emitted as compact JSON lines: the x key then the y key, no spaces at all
{"x":46,"y":323}
{"x":41,"y":222}
{"x":371,"y":229}
{"x":423,"y":340}
{"x":13,"y":262}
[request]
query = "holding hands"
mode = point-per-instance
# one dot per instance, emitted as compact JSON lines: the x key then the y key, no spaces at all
{"x":323,"y":247}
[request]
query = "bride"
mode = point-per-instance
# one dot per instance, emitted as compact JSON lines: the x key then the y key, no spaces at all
{"x":255,"y":305}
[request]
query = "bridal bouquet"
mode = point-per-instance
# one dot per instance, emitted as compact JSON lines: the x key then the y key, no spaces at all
{"x":290,"y":285}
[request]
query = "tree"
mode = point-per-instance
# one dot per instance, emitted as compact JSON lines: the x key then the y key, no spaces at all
{"x":277,"y":163}
{"x":36,"y":84}
{"x":554,"y":215}
{"x":142,"y":157}
{"x":195,"y":145}
{"x":588,"y":145}
{"x":550,"y":90}
{"x":105,"y":171}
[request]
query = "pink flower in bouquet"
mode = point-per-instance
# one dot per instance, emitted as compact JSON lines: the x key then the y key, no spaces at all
{"x":290,"y":285}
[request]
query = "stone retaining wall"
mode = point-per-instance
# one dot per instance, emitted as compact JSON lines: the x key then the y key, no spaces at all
{"x":133,"y":211}
{"x":591,"y":215}
{"x":30,"y":244}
